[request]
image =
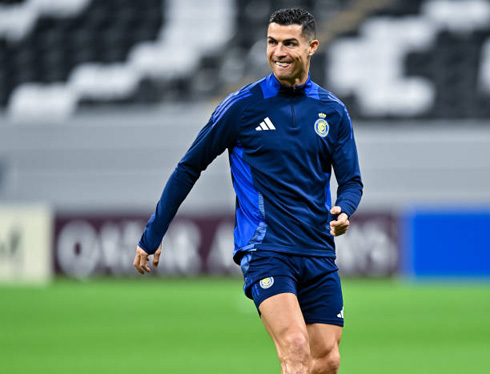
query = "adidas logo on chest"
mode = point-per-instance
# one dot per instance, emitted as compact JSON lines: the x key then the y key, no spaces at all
{"x":265,"y":125}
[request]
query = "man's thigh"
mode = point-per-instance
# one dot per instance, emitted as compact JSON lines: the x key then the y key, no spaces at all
{"x":267,"y":274}
{"x":314,"y":281}
{"x":283,"y":320}
{"x":281,"y":316}
{"x":320,"y":293}
{"x":324,"y":339}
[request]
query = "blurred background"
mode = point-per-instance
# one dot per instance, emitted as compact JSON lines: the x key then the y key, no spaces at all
{"x":99,"y":99}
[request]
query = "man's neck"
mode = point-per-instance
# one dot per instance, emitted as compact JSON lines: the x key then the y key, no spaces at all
{"x":294,"y":83}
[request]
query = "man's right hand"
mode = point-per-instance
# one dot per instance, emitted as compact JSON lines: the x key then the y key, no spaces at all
{"x":141,"y":259}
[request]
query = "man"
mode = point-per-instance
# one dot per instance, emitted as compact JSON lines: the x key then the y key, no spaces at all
{"x":284,"y":134}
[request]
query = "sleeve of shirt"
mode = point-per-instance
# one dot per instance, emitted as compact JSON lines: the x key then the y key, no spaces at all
{"x":346,"y":167}
{"x":219,"y":134}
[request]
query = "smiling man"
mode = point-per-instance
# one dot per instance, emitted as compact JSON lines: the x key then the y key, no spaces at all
{"x":284,"y":134}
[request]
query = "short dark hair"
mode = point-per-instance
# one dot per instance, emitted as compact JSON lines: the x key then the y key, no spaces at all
{"x":295,"y":16}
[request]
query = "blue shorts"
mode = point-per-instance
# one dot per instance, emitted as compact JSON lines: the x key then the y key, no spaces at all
{"x":314,"y":281}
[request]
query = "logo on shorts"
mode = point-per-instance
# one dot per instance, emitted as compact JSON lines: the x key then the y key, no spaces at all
{"x":341,"y":314}
{"x":266,"y":282}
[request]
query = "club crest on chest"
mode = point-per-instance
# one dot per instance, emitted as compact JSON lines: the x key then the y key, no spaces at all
{"x":321,"y":125}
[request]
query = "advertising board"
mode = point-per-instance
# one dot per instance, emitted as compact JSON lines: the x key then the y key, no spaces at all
{"x":25,"y":244}
{"x":86,"y":246}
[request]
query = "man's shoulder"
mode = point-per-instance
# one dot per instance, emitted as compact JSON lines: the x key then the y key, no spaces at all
{"x":326,"y":97}
{"x":238,"y":99}
{"x":253,"y":89}
{"x":334,"y":104}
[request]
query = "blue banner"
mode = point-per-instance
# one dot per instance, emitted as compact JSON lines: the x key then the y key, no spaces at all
{"x":446,"y":243}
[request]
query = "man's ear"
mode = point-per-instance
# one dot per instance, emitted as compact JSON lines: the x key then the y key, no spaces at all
{"x":313,"y":47}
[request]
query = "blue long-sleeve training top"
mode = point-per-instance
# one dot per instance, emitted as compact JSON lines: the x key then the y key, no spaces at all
{"x":283,"y":143}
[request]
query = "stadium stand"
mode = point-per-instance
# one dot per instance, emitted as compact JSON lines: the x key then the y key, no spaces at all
{"x":18,"y":20}
{"x":387,"y":59}
{"x":98,"y":33}
{"x":410,"y":61}
{"x":47,"y":70}
{"x":115,"y":46}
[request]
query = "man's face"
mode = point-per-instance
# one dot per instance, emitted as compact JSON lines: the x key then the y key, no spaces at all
{"x":288,"y":53}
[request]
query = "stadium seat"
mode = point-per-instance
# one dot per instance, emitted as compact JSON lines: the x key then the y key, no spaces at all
{"x":411,"y":66}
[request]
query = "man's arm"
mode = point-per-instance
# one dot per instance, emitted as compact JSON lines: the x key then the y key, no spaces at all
{"x":348,"y":175}
{"x":212,"y":140}
{"x":219,"y":134}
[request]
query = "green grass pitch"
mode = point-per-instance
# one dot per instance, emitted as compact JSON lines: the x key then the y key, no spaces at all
{"x":206,"y":325}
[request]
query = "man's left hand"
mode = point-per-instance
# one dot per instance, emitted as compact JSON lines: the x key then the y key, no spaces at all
{"x":341,"y":224}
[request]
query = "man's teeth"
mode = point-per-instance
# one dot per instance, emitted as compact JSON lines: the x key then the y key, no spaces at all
{"x":282,"y":63}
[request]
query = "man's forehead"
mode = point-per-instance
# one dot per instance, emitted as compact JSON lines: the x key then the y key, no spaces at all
{"x":283,"y":32}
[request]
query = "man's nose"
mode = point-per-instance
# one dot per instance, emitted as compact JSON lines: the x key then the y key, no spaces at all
{"x":280,"y":51}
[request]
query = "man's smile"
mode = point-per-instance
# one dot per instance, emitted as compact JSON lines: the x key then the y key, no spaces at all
{"x":283,"y":64}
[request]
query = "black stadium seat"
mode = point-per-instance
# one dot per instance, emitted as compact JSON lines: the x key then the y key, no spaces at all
{"x":104,"y":32}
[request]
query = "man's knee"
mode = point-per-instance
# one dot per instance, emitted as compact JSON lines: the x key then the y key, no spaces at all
{"x":327,"y":363}
{"x":298,"y":342}
{"x":295,"y":352}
